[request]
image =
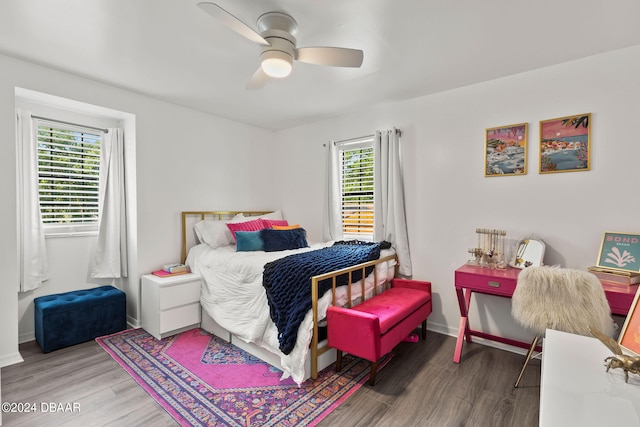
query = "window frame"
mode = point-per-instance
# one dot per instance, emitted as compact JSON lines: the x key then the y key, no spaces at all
{"x":71,"y":228}
{"x":367,"y":187}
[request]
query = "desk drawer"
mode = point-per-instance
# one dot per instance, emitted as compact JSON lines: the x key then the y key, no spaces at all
{"x":619,"y":297}
{"x":495,"y":284}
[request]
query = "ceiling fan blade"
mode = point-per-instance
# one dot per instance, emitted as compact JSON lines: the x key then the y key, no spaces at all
{"x":335,"y":56}
{"x":258,"y":80}
{"x":232,"y":22}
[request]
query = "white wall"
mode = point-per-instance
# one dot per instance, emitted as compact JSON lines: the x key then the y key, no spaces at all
{"x":447,"y":195}
{"x":185,"y":160}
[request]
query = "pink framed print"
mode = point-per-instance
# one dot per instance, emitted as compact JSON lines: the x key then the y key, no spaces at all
{"x":629,"y":338}
{"x":505,"y":150}
{"x":565,"y":144}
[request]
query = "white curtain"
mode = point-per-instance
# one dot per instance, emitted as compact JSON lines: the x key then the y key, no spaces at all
{"x":110,"y":260}
{"x":333,"y":220}
{"x":34,"y":269}
{"x":390,"y":218}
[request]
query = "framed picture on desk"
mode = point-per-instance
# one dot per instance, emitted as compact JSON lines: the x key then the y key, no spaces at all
{"x":629,"y":338}
{"x":620,"y":252}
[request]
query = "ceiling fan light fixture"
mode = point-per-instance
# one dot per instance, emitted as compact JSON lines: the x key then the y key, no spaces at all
{"x":277,"y":42}
{"x":276,"y":64}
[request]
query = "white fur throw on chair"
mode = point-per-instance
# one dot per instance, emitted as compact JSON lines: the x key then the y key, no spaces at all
{"x":561,"y":298}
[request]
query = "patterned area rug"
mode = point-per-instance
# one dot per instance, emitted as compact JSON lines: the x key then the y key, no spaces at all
{"x":203,"y":381}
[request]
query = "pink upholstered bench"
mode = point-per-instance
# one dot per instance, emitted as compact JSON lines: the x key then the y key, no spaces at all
{"x":374,"y":327}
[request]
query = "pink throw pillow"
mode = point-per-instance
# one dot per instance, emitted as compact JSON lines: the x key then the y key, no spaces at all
{"x":253,"y":225}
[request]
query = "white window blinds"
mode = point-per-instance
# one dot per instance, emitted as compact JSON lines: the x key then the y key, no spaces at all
{"x":356,"y":188}
{"x":68,"y":175}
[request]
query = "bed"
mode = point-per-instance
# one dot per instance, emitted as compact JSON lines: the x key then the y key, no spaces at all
{"x":239,"y":303}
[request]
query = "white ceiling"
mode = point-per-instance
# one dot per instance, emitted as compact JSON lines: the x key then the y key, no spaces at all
{"x":172,"y":50}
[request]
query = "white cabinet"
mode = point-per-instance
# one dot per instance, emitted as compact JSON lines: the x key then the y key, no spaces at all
{"x":576,"y":389}
{"x":170,"y":304}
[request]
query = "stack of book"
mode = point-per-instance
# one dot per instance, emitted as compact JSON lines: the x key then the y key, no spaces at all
{"x":619,"y":277}
{"x":172,"y":270}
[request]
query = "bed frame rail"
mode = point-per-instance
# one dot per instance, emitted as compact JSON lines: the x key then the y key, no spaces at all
{"x":189,"y":218}
{"x":316,"y":348}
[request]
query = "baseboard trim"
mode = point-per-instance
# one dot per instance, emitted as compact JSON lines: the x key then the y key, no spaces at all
{"x":26,"y":337}
{"x":133,"y":322}
{"x":453,"y":332}
{"x":10,"y":359}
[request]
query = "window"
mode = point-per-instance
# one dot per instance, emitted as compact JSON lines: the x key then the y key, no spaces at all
{"x":356,"y":188}
{"x":68,"y":176}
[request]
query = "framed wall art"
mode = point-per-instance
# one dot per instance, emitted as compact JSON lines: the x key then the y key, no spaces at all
{"x":505,"y":150}
{"x":620,"y":251}
{"x":629,"y":337}
{"x":565,"y":144}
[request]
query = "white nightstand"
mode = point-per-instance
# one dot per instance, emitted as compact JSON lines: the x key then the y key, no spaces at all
{"x":170,"y":304}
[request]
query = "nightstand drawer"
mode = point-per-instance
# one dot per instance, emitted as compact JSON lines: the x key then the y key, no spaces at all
{"x":177,"y":318}
{"x":179,"y":294}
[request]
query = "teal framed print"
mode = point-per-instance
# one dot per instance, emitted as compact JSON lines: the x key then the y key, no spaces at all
{"x":620,"y":251}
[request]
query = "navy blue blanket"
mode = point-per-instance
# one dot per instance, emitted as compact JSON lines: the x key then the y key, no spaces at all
{"x":287,"y":282}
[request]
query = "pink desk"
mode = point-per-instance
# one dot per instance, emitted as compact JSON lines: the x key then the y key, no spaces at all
{"x":502,"y":283}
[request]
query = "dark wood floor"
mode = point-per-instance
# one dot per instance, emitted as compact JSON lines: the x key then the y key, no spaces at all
{"x":420,"y":386}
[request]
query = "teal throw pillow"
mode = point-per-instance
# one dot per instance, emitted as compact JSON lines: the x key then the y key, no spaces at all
{"x":248,"y":241}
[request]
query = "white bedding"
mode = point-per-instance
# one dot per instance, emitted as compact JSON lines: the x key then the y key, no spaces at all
{"x":233,"y":295}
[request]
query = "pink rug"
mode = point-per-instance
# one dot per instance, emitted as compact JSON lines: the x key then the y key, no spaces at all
{"x":201,"y":380}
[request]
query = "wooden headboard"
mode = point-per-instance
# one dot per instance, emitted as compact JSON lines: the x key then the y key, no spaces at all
{"x":189,"y":218}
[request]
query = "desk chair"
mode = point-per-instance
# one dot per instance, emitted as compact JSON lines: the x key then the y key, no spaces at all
{"x":563,"y":299}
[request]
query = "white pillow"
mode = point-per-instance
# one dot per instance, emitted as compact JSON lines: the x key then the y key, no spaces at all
{"x":273,"y":215}
{"x":215,"y":233}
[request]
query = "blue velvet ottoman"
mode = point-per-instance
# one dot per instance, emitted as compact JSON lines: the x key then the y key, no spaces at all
{"x":73,"y":317}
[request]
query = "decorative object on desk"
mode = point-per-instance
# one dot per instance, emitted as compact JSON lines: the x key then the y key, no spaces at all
{"x":477,"y":256}
{"x":620,"y":251}
{"x":563,"y":299}
{"x":490,"y":249}
{"x":528,"y":253}
{"x":505,"y":150}
{"x":565,"y":144}
{"x":620,"y":360}
{"x":629,"y":337}
{"x":625,"y":278}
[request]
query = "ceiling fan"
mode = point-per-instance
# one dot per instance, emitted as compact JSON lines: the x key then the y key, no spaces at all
{"x":278,"y":44}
